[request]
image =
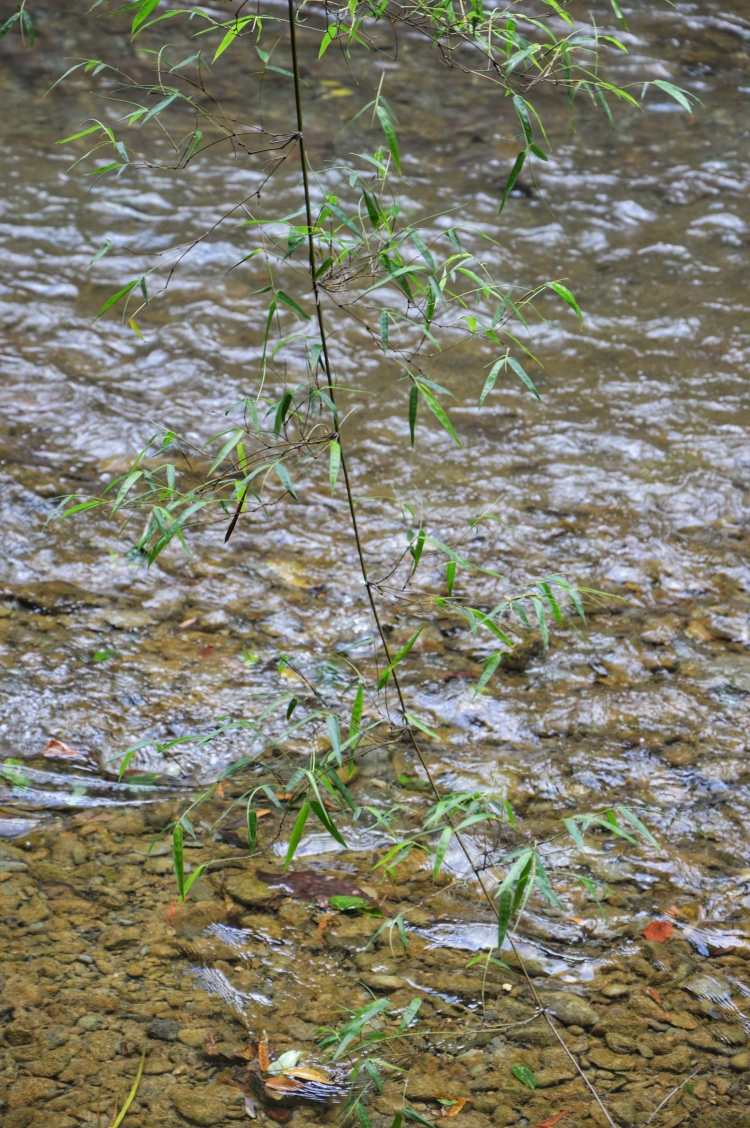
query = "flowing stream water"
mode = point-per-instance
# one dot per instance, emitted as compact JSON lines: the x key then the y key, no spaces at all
{"x":631,"y":477}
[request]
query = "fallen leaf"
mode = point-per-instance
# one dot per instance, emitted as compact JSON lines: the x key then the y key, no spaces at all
{"x":206,"y":650}
{"x":654,"y":995}
{"x":171,"y":913}
{"x":250,"y":1107}
{"x":303,"y":1073}
{"x":659,"y":930}
{"x":453,"y":1109}
{"x":282,"y":1085}
{"x":263,"y":1059}
{"x":246,"y":1052}
{"x":280,"y":1115}
{"x":672,"y":911}
{"x":55,"y":889}
{"x":188,"y":623}
{"x":552,"y":1120}
{"x":309,"y":885}
{"x":60,"y":748}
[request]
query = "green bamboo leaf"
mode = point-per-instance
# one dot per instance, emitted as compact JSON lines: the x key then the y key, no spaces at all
{"x":158,"y":109}
{"x":390,"y":134}
{"x":490,"y":666}
{"x":438,"y":411}
{"x":334,"y":732}
{"x":178,"y":860}
{"x":252,"y":829}
{"x":618,"y":12}
{"x":341,"y":787}
{"x":450,"y":575}
{"x":116,"y":297}
{"x":567,"y":296}
{"x":442,"y":846}
{"x":356,"y":717}
{"x":399,"y":657}
{"x":5,"y":28}
{"x":523,"y":117}
{"x":384,"y":334}
{"x":194,"y":876}
{"x":328,"y":38}
{"x":514,"y":174}
{"x":636,"y":822}
{"x":290,"y":302}
{"x":416,"y":723}
{"x":281,"y":411}
{"x":520,"y":371}
{"x":676,"y":92}
{"x":490,"y":381}
{"x":541,"y":619}
{"x":297,"y":831}
{"x":229,"y":445}
{"x":334,"y":465}
{"x":144,"y":11}
{"x":503,"y":917}
{"x":285,"y":479}
{"x":413,"y":405}
{"x":575,"y":833}
{"x":322,"y":814}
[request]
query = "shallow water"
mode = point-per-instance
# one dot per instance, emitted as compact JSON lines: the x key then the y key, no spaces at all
{"x":633,"y":477}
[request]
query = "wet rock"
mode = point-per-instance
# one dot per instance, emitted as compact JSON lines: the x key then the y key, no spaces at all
{"x":203,"y":1106}
{"x":50,"y":1064}
{"x":621,"y":1043}
{"x":606,"y":1059}
{"x":193,"y":919}
{"x":547,"y":1078}
{"x":384,"y":982}
{"x":165,"y":1028}
{"x":249,"y":890}
{"x":117,"y":937}
{"x":570,"y":1008}
{"x":89,"y":1022}
{"x":631,"y":1112}
{"x":193,"y":1036}
{"x":722,"y":1118}
{"x":28,"y":1090}
{"x":679,"y":1060}
{"x":740,"y":1062}
{"x":615,"y":990}
{"x":18,"y":1036}
{"x":127,"y":620}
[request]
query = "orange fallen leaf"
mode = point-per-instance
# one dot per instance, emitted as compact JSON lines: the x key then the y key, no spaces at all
{"x":304,"y":1073}
{"x":672,"y":911}
{"x":654,"y":995}
{"x":59,"y":748}
{"x":658,"y":930}
{"x":171,"y":913}
{"x":552,"y":1120}
{"x":246,"y":1052}
{"x":283,"y":1085}
{"x":323,"y":924}
{"x":263,"y":1058}
{"x":455,"y":1108}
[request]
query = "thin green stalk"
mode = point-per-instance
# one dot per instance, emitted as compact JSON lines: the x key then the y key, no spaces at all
{"x":358,"y":541}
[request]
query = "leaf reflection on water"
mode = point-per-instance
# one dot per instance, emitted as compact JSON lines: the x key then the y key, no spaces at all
{"x":215,"y":982}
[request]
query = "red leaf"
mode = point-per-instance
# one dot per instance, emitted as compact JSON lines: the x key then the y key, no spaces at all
{"x":552,"y":1120}
{"x":659,"y":930}
{"x":654,"y":995}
